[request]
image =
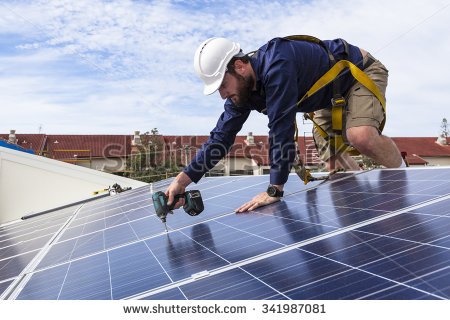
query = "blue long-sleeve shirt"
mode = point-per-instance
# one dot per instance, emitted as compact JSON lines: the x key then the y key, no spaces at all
{"x":285,"y":70}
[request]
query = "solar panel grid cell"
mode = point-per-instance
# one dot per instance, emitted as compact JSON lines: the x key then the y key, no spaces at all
{"x":4,"y":285}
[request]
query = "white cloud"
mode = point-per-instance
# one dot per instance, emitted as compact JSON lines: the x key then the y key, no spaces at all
{"x":119,"y":66}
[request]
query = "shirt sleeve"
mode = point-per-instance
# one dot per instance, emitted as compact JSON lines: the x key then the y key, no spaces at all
{"x":281,"y":87}
{"x":219,"y":143}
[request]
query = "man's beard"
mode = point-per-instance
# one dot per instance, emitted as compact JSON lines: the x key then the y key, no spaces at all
{"x":244,"y":90}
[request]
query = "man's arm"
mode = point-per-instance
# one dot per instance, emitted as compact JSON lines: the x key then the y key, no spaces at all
{"x":281,"y":97}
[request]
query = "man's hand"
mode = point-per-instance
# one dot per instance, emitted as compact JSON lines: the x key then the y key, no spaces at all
{"x":178,"y":186}
{"x":260,"y":200}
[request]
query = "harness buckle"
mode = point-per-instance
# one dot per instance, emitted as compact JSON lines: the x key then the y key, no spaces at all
{"x":338,"y":101}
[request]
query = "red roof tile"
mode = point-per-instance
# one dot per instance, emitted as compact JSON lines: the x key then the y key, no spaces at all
{"x":422,"y":146}
{"x":86,"y":146}
{"x":28,"y":141}
{"x":416,"y":160}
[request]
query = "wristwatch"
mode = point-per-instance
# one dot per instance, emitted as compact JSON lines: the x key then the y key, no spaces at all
{"x":273,"y":191}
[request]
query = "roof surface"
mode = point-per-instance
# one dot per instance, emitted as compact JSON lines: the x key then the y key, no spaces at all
{"x":96,"y":146}
{"x":35,"y":142}
{"x":422,"y":146}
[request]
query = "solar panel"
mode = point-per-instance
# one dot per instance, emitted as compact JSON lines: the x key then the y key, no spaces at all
{"x":381,"y":234}
{"x":4,"y":285}
{"x":21,"y":242}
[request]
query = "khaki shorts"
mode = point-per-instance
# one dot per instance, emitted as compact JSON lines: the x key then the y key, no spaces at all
{"x":363,"y":108}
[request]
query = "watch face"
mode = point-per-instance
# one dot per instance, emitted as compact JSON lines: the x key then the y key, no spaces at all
{"x":271,"y":191}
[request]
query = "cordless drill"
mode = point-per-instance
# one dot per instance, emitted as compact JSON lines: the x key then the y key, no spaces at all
{"x":193,"y":204}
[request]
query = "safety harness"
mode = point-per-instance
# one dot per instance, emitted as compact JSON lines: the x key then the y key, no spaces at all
{"x":338,"y":105}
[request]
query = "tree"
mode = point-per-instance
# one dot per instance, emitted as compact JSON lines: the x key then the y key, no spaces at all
{"x":150,"y":164}
{"x":154,"y":131}
{"x":445,"y":128}
{"x":368,"y":163}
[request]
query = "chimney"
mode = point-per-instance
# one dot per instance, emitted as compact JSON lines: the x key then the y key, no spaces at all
{"x":442,"y":140}
{"x":136,"y":139}
{"x":250,"y":139}
{"x":136,"y":142}
{"x":12,"y":137}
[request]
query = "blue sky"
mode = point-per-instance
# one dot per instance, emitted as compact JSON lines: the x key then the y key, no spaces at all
{"x":112,"y":67}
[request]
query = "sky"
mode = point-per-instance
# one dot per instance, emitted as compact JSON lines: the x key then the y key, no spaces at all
{"x":113,"y":67}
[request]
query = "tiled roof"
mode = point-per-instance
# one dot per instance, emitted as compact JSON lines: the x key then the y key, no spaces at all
{"x":87,"y":146}
{"x":422,"y":146}
{"x":416,"y":160}
{"x":34,"y":142}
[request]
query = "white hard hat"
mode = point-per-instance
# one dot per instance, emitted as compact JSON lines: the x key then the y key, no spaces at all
{"x":211,"y":59}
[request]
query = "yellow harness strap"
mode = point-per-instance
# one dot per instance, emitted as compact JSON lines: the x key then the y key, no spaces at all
{"x":356,"y":72}
{"x":336,"y":141}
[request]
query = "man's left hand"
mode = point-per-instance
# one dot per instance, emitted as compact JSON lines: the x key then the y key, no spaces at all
{"x":260,"y":200}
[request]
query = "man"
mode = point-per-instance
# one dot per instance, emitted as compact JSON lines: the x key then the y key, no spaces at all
{"x":272,"y":81}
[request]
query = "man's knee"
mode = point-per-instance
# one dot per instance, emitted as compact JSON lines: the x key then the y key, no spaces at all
{"x":362,"y":137}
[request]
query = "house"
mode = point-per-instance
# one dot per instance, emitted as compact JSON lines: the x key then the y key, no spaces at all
{"x":100,"y":152}
{"x":425,"y":150}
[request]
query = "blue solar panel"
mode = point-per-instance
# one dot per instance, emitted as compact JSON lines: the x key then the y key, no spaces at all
{"x":4,"y":285}
{"x":24,"y":247}
{"x":234,"y":283}
{"x":437,"y":282}
{"x":12,"y":267}
{"x":414,"y":227}
{"x":58,"y":253}
{"x":181,"y":257}
{"x":87,"y":279}
{"x":399,"y":292}
{"x":171,"y":294}
{"x":45,"y":285}
{"x":439,"y":209}
{"x":135,"y":269}
{"x":352,"y":284}
{"x":277,"y":229}
{"x":375,"y":235}
{"x":356,"y":249}
{"x":416,"y":262}
{"x":20,"y":242}
{"x":229,"y":243}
